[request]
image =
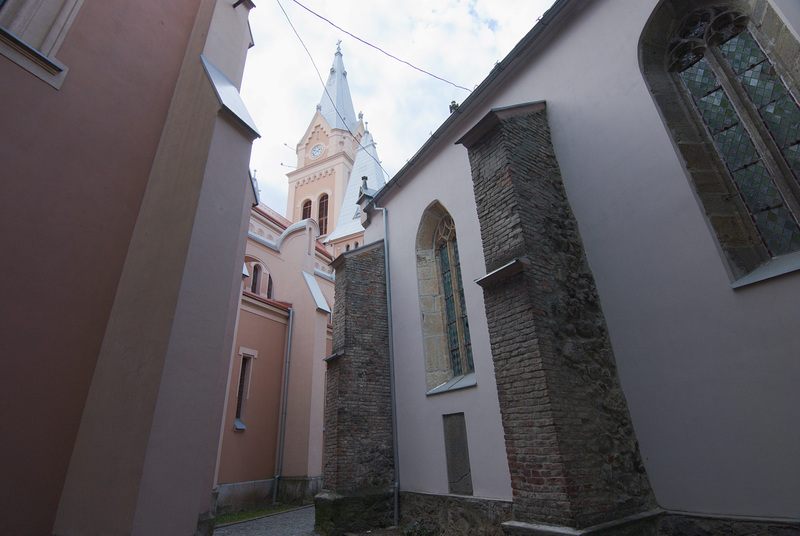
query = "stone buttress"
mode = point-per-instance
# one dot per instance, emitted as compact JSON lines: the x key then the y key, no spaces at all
{"x":572,"y":451}
{"x":358,"y":466}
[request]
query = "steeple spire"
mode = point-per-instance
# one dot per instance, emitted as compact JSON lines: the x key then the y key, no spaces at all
{"x":336,"y":97}
{"x":366,"y":167}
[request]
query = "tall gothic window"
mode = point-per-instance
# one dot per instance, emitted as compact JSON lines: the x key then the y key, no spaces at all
{"x":742,"y":99}
{"x":323,"y":214}
{"x":445,"y":341}
{"x":306,"y":210}
{"x":457,"y":325}
{"x":750,"y":115}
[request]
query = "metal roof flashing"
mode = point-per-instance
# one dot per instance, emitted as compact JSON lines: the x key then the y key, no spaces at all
{"x":229,"y":97}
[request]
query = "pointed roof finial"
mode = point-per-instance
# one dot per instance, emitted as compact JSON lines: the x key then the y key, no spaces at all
{"x":336,"y":105}
{"x":339,"y":45}
{"x":360,"y":116}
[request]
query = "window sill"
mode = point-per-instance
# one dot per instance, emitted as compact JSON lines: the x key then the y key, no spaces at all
{"x":238,"y":426}
{"x":31,"y":59}
{"x":773,"y":268}
{"x":455,"y":383}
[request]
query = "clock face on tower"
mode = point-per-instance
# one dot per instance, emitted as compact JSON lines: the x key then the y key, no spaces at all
{"x":316,"y":151}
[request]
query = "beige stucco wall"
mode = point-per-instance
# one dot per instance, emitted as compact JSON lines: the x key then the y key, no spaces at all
{"x":252,"y":454}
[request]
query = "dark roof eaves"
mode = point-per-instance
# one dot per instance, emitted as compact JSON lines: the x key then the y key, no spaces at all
{"x":524,"y":44}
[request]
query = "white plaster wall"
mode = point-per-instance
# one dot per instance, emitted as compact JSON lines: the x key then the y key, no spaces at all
{"x":710,"y":373}
{"x":420,"y":427}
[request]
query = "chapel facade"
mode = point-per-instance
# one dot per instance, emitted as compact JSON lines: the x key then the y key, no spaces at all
{"x":273,"y":436}
{"x":601,"y":242}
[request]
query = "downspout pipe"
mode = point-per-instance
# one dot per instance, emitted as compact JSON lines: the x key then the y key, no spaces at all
{"x":396,"y":485}
{"x":283,"y":406}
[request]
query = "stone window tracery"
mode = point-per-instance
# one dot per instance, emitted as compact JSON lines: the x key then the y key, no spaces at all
{"x":445,"y":326}
{"x":733,"y":85}
{"x":457,"y":324}
{"x":744,"y":159}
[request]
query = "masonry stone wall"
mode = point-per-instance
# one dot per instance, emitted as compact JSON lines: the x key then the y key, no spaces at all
{"x":358,"y":465}
{"x":572,"y":450}
{"x":451,"y":515}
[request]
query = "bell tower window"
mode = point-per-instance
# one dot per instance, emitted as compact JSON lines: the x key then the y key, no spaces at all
{"x":323,"y":214}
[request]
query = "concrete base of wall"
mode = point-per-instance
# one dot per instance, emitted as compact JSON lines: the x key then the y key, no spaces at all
{"x":244,"y":496}
{"x":452,"y":514}
{"x":298,"y":489}
{"x":672,"y":524}
{"x":366,"y":509}
{"x":644,"y":524}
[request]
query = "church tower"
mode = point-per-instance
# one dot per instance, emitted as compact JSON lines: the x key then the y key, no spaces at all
{"x":329,"y":151}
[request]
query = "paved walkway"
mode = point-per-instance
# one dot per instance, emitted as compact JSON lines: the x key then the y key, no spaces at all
{"x":298,"y":522}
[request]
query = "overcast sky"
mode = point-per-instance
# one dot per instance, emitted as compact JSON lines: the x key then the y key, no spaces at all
{"x":458,"y":40}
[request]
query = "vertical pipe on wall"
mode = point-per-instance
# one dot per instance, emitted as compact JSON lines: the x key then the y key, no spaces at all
{"x":396,"y":485}
{"x":283,"y":406}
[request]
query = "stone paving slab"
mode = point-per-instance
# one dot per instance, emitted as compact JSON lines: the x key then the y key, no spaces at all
{"x":299,"y":522}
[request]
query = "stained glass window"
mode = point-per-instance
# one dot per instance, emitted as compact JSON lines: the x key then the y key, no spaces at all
{"x":457,"y":324}
{"x":733,"y":84}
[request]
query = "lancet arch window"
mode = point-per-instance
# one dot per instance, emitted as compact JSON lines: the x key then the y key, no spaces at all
{"x":306,"y":209}
{"x":446,"y":340}
{"x":744,"y":158}
{"x":457,"y":324}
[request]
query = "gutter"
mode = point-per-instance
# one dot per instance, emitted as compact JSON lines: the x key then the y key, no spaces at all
{"x":283,"y":408}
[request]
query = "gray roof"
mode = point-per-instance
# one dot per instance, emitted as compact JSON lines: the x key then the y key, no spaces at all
{"x":367,"y":165}
{"x":337,"y":97}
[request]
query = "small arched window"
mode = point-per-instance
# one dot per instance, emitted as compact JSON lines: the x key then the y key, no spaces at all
{"x":269,"y":287}
{"x":306,"y":210}
{"x":356,"y":245}
{"x":323,"y":214}
{"x":347,"y":247}
{"x":255,"y":279}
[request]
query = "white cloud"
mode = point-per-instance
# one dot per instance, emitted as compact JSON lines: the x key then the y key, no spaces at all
{"x":459,"y":40}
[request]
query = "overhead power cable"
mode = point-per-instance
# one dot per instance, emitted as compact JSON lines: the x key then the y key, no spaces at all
{"x":324,"y":85}
{"x":378,"y":48}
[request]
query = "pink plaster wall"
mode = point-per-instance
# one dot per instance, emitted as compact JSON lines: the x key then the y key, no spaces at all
{"x":75,"y":163}
{"x":252,"y":454}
